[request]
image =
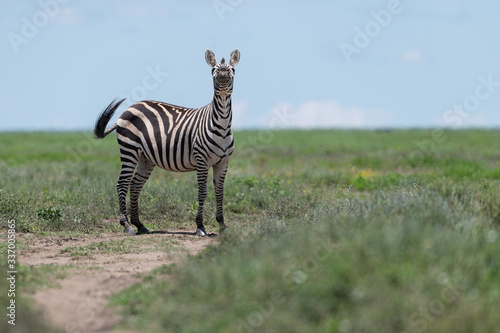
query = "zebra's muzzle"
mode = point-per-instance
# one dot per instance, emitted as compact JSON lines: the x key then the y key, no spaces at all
{"x":223,"y":80}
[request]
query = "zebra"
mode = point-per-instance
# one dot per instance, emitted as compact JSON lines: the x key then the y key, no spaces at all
{"x":174,"y":138}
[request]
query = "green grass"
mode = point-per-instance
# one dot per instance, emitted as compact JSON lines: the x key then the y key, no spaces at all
{"x":405,"y":260}
{"x":121,"y":246}
{"x":330,"y":230}
{"x":32,"y":278}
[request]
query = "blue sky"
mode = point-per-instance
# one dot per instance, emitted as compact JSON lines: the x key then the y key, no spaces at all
{"x":354,"y":64}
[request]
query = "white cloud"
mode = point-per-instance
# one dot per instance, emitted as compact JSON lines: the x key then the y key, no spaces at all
{"x":479,"y":119}
{"x":413,"y":56}
{"x":326,"y":114}
{"x":464,"y":119}
{"x":69,"y":15}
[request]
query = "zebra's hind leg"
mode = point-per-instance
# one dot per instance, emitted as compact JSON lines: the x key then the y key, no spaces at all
{"x":140,"y":177}
{"x":128,"y":166}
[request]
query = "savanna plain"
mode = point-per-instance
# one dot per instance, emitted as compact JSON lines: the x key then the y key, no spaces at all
{"x":329,"y":231}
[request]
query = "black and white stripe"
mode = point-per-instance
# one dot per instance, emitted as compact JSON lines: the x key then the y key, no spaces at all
{"x":176,"y":139}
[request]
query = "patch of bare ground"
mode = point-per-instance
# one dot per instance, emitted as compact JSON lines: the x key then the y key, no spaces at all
{"x":80,"y":303}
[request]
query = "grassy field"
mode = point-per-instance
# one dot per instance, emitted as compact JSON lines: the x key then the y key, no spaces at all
{"x":330,"y":231}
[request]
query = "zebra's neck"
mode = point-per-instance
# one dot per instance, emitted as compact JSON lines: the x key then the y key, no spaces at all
{"x":221,"y":111}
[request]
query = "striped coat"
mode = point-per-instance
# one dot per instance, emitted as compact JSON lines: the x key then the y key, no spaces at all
{"x":176,"y":139}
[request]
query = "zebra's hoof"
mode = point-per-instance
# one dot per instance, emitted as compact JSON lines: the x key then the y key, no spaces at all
{"x":143,"y":230}
{"x":130,"y":231}
{"x":201,"y":232}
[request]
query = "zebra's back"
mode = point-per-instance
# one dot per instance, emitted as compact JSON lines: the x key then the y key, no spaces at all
{"x":162,"y":132}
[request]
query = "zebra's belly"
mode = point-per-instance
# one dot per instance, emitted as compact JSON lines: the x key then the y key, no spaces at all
{"x":170,"y":157}
{"x":176,"y":160}
{"x":178,"y":168}
{"x":192,"y":165}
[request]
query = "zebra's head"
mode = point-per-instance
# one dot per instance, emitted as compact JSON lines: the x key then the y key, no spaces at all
{"x":223,"y":73}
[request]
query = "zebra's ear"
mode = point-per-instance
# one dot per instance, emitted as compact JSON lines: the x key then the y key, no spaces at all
{"x":210,"y":58}
{"x":234,"y":58}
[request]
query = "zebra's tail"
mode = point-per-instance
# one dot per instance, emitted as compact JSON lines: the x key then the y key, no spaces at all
{"x":100,"y":130}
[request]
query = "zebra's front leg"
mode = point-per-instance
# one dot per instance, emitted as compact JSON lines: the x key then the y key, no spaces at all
{"x":202,"y":174}
{"x":220,"y":171}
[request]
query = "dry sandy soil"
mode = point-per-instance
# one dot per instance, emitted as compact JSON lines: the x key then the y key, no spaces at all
{"x":80,"y":302}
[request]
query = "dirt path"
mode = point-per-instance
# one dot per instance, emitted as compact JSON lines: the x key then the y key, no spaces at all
{"x":100,"y":266}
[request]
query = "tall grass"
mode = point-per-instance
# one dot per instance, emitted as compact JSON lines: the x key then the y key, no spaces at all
{"x":408,"y":259}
